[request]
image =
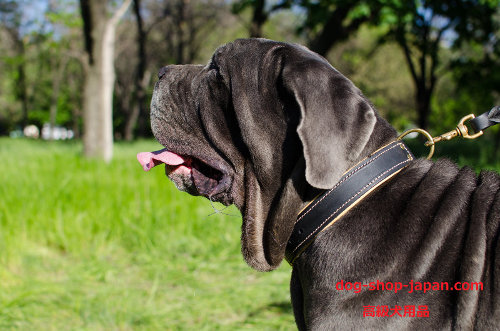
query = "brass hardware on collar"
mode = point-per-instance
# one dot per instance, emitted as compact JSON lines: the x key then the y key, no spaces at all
{"x":429,"y":141}
{"x":460,"y":130}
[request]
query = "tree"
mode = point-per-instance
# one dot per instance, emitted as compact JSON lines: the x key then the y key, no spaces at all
{"x":141,"y":76}
{"x":187,"y":24}
{"x":66,"y":60}
{"x":11,"y":18}
{"x":260,"y":14}
{"x":420,"y":29}
{"x":171,"y":32}
{"x":99,"y":33}
{"x":326,"y":22}
{"x":478,"y":60}
{"x":330,"y":22}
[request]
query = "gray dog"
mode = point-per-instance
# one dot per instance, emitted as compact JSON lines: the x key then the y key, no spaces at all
{"x":268,"y":126}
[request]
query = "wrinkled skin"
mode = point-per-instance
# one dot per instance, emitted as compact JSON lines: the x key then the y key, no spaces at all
{"x":266,"y":126}
{"x":249,"y":114}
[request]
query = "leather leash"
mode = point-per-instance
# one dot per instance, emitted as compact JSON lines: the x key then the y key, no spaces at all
{"x":354,"y":185}
{"x":486,"y":120}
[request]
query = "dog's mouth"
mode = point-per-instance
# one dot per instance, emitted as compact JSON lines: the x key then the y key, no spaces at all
{"x":191,"y":174}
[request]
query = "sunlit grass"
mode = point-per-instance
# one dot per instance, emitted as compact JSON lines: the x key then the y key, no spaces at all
{"x":91,"y":246}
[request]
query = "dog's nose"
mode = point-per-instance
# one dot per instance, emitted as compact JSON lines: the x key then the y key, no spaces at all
{"x":162,"y":72}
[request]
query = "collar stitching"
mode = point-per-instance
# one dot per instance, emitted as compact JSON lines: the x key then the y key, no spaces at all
{"x":344,"y":179}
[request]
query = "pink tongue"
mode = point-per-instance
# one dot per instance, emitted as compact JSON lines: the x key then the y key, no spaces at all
{"x":149,"y":160}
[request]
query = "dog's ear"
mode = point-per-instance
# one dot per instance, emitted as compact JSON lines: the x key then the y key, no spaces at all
{"x":336,"y":119}
{"x":275,"y":89}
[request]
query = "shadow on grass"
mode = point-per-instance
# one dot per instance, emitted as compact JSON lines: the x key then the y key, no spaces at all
{"x":283,"y":307}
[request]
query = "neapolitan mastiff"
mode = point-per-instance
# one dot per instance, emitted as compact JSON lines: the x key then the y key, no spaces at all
{"x":268,"y":126}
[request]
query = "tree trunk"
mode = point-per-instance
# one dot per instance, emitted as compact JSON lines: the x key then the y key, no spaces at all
{"x":23,"y":93}
{"x":21,"y":85}
{"x":425,"y":78}
{"x":338,"y":28}
{"x":131,"y":122}
{"x":259,"y":17}
{"x":141,"y":79}
{"x":56,"y":88}
{"x":423,"y":101}
{"x":75,"y":113}
{"x":332,"y":31}
{"x":180,"y":20}
{"x":100,"y":77}
{"x":139,"y":109}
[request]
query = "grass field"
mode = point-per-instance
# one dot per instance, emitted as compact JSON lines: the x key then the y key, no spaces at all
{"x":91,"y":246}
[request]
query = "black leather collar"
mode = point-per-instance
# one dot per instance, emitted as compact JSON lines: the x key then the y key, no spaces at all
{"x":354,"y":185}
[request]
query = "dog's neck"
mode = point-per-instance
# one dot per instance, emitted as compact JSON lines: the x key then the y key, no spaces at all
{"x":382,"y":158}
{"x":297,"y":193}
{"x":354,"y":185}
{"x":383,"y":133}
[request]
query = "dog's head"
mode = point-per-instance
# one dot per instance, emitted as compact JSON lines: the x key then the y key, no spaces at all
{"x":262,"y":126}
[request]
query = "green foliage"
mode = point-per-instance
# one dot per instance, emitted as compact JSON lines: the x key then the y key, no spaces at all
{"x":490,"y":3}
{"x":467,"y":70}
{"x":239,"y":6}
{"x":380,"y":72}
{"x":66,"y":20}
{"x":93,"y":246}
{"x":479,"y":154}
{"x":362,"y":10}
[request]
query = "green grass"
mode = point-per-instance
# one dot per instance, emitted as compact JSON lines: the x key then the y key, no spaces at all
{"x":91,"y":246}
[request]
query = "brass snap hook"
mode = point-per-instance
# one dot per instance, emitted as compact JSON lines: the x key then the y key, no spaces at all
{"x":464,"y":131}
{"x":460,"y":130}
